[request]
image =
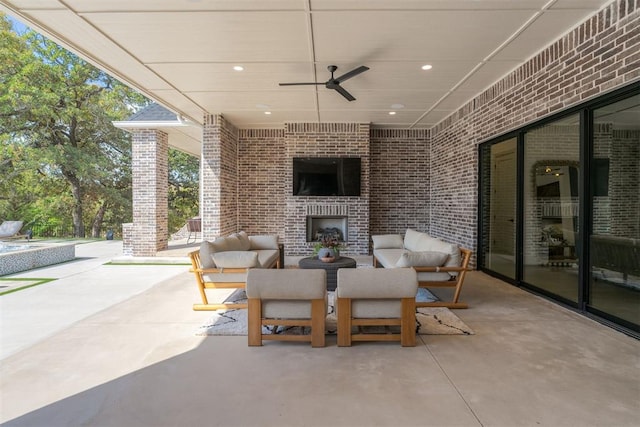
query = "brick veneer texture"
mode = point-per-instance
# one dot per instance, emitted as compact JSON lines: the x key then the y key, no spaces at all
{"x":399,"y":181}
{"x":150,"y":191}
{"x":598,"y":56}
{"x":262,"y":165}
{"x":326,"y":140}
{"x":219,"y":170}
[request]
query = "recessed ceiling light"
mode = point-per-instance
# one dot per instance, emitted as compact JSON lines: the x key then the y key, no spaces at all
{"x":392,"y":113}
{"x":262,"y":106}
{"x":397,"y":106}
{"x":427,"y":67}
{"x":267,"y":113}
{"x":238,"y":67}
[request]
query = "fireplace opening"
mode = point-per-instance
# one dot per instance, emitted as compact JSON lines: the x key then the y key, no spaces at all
{"x":333,"y":226}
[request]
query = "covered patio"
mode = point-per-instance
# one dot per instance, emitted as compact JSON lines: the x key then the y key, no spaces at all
{"x":137,"y":362}
{"x":130,"y":355}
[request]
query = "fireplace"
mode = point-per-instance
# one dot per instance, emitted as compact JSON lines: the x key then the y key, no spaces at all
{"x":335,"y":226}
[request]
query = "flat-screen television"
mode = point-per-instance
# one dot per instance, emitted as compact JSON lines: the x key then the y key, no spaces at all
{"x":326,"y":176}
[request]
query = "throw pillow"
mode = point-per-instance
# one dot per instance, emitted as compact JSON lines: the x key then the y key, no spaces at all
{"x":387,"y":241}
{"x":236,"y":259}
{"x":264,"y":242}
{"x":244,"y":239}
{"x":207,"y":249}
{"x":422,"y":259}
{"x":234,"y":243}
{"x":411,"y":239}
{"x":220,"y":245}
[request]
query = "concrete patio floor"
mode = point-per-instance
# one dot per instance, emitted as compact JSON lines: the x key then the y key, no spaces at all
{"x":114,"y":345}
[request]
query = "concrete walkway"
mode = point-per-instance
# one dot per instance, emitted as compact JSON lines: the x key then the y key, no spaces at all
{"x":81,"y":288}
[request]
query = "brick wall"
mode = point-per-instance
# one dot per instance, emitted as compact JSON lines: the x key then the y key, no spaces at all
{"x":219,"y":171}
{"x":399,"y":181}
{"x":150,"y":154}
{"x":326,"y":140}
{"x":262,"y":168}
{"x":598,"y":56}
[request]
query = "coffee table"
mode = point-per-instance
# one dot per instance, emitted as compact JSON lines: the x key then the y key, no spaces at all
{"x":330,"y":267}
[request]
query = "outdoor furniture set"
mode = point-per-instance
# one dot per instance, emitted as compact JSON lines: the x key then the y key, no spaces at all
{"x":298,"y":297}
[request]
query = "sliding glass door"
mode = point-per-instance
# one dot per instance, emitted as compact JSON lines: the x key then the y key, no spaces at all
{"x":550,"y":194}
{"x":499,"y":171}
{"x":559,"y":208}
{"x":614,"y":287}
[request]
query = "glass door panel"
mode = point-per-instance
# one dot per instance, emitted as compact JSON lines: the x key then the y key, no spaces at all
{"x":499,"y":171}
{"x":614,"y":244}
{"x":551,"y":196}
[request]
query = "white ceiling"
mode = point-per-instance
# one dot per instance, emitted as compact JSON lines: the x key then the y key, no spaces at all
{"x":181,"y":53}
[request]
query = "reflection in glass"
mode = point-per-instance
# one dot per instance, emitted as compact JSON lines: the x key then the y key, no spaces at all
{"x":551,"y":200}
{"x":615,"y":191}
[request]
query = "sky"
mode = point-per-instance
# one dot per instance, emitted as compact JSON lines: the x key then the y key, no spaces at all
{"x":18,"y":26}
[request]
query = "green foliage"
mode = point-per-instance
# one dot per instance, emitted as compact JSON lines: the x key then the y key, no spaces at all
{"x":183,"y":188}
{"x":61,"y":157}
{"x":62,"y":163}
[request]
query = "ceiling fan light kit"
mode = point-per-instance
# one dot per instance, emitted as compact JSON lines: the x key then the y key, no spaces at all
{"x":334,"y":82}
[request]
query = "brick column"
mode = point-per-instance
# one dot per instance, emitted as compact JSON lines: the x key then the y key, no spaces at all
{"x":150,"y":188}
{"x":219,"y":170}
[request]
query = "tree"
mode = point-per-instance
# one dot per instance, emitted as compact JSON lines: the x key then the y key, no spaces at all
{"x":55,"y":124}
{"x":184,"y":179}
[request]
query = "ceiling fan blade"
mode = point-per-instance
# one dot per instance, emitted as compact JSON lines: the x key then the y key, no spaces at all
{"x":300,"y":84}
{"x":343,"y":92}
{"x":352,"y":73}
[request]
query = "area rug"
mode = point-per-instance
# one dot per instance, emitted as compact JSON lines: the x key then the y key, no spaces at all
{"x":429,"y":320}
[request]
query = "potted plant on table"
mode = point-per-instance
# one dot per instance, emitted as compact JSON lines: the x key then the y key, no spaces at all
{"x":328,"y":248}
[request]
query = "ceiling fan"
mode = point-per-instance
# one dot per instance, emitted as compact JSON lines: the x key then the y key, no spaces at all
{"x":334,"y":82}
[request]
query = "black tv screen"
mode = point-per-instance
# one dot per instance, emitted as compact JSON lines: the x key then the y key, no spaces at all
{"x":326,"y":176}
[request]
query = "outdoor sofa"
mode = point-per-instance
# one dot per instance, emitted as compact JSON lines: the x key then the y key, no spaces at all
{"x":438,"y":263}
{"x":224,"y":262}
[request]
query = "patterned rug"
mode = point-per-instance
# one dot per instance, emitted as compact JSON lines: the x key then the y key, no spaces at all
{"x":429,"y":320}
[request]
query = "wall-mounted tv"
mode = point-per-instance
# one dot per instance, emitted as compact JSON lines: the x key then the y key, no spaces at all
{"x":326,"y":176}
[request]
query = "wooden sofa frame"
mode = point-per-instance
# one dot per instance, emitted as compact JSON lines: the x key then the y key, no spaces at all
{"x":203,"y":284}
{"x":455,"y":282}
{"x":406,"y":321}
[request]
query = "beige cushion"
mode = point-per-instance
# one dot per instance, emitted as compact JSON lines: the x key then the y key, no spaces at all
{"x":421,"y":242}
{"x":411,"y":239}
{"x":286,"y":309}
{"x":422,"y":259}
{"x":236,"y":259}
{"x":428,"y":243}
{"x":375,"y":292}
{"x":207,"y":249}
{"x":388,"y":257}
{"x":377,"y":283}
{"x":387,"y":241}
{"x":376,"y":309}
{"x":234,"y":243}
{"x":286,"y":284}
{"x":264,"y":242}
{"x":267,"y":257}
{"x":244,"y":240}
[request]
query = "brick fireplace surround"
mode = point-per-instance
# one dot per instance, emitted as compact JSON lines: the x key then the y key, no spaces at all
{"x":423,"y":179}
